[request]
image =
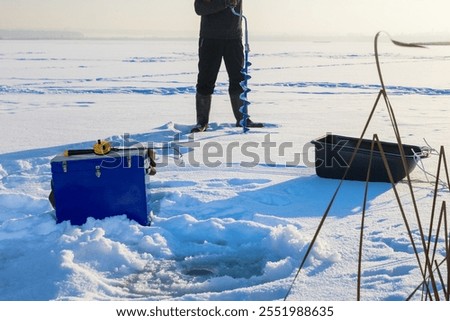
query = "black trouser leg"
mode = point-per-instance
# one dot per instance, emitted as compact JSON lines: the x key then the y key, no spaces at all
{"x":210,"y":59}
{"x":233,"y":56}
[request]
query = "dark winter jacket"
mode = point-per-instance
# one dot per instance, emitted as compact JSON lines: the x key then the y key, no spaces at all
{"x":218,"y":22}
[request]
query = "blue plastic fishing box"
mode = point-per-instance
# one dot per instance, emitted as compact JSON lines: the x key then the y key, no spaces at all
{"x":101,"y":186}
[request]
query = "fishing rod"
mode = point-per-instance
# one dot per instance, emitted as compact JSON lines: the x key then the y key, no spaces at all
{"x":103,"y":148}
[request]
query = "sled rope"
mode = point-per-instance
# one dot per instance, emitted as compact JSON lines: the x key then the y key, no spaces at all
{"x":244,"y":71}
{"x":427,"y":150}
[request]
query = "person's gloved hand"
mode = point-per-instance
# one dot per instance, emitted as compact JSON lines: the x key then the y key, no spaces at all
{"x":232,"y":3}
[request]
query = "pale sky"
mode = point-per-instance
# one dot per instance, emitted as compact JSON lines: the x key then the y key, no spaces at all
{"x":266,"y":17}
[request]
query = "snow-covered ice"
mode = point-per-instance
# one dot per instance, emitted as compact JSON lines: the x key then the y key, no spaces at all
{"x":234,"y":214}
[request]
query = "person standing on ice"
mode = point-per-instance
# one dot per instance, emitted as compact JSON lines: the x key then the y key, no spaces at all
{"x":220,"y":38}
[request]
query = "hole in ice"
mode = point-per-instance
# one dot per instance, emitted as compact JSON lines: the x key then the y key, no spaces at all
{"x":199,"y":272}
{"x":224,"y":266}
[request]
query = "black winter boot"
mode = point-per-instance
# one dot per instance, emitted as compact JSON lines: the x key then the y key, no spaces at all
{"x":236,"y":104}
{"x":202,"y":106}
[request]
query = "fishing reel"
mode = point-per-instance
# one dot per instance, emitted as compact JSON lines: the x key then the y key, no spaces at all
{"x":102,"y":147}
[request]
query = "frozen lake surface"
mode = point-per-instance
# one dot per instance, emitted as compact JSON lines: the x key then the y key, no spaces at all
{"x":233,"y":217}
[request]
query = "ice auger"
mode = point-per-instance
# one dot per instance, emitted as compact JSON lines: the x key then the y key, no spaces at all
{"x":244,"y":71}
